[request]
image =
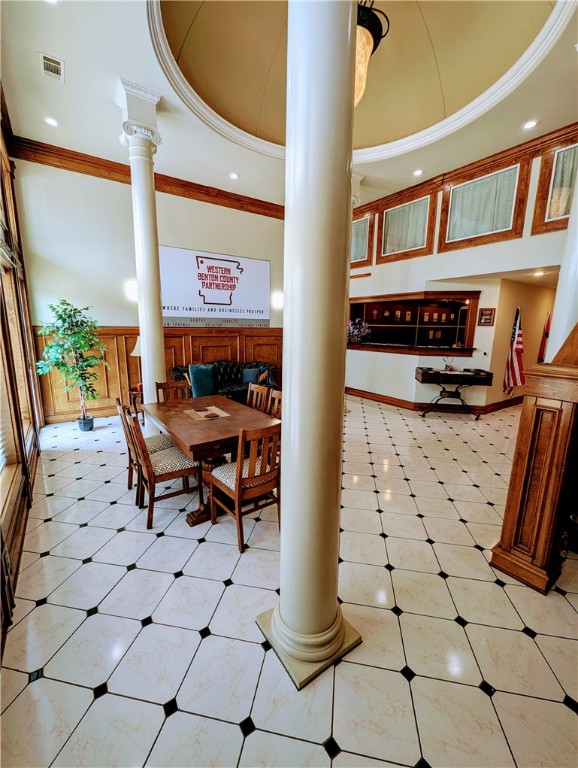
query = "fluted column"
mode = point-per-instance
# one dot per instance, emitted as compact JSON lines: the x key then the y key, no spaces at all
{"x":142,"y":138}
{"x":307,"y":629}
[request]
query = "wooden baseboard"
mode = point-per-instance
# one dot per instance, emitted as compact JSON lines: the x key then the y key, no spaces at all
{"x":409,"y":405}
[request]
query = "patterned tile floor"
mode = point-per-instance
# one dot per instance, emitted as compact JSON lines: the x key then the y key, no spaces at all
{"x":135,"y":647}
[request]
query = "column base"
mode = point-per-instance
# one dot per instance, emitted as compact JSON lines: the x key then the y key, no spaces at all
{"x":303,"y":672}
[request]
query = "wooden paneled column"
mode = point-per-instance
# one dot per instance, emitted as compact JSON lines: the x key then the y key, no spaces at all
{"x":540,"y":496}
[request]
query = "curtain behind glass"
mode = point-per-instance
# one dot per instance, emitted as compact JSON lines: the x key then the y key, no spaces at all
{"x":563,"y":181}
{"x":359,"y":237}
{"x":483,"y":206}
{"x":405,"y":227}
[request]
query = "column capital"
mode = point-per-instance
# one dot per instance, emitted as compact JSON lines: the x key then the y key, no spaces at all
{"x":139,"y":113}
{"x":130,"y":128}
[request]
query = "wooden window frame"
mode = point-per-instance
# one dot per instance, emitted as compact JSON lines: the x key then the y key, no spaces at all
{"x":519,"y":212}
{"x":368,"y":261}
{"x":405,"y":197}
{"x":540,"y":224}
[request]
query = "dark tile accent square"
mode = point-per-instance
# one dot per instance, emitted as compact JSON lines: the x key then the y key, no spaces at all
{"x":178,"y":574}
{"x":408,"y":673}
{"x":331,"y":747}
{"x":42,"y":601}
{"x":396,"y":610}
{"x":419,"y":514}
{"x":36,"y":675}
{"x":160,"y":534}
{"x":450,"y":499}
{"x":49,"y":494}
{"x":146,"y":621}
{"x":490,"y":503}
{"x":339,"y":560}
{"x":83,"y":525}
{"x":106,"y":482}
{"x":112,"y":502}
{"x":389,"y":567}
{"x":99,"y":691}
{"x":421,"y":763}
{"x":339,"y":601}
{"x":247,"y":726}
{"x":478,"y":547}
{"x":443,"y":575}
{"x":500,"y":583}
{"x":278,"y":591}
{"x":383,"y":535}
{"x":430,"y":541}
{"x":92,"y":611}
{"x":44,"y":554}
{"x":227,"y":582}
{"x":486,"y":688}
{"x":202,"y":540}
{"x":529,"y":632}
{"x":560,"y":591}
{"x":87,"y":560}
{"x":412,"y":496}
{"x":462,"y":622}
{"x":266,"y":645}
{"x":571,"y":704}
{"x":204,"y":632}
{"x":82,"y":497}
{"x":131,"y":567}
{"x":170,"y":707}
{"x":48,"y":520}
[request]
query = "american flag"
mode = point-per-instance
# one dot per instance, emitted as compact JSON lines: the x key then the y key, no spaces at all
{"x":514,"y":374}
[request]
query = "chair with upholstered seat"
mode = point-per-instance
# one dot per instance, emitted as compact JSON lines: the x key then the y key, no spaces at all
{"x":258,"y":397}
{"x":172,"y":390}
{"x":275,"y":403}
{"x":154,"y":443}
{"x":244,"y":486}
{"x":160,"y":467}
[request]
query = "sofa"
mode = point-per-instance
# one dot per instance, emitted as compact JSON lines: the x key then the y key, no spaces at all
{"x":231,"y":378}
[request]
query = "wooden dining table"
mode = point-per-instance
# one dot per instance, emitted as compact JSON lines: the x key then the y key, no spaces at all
{"x":205,"y":428}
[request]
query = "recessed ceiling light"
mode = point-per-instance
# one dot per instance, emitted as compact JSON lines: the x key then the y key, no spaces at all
{"x":539,"y":273}
{"x":234,"y":176}
{"x":530,"y":124}
{"x":418,"y":172}
{"x":51,"y":121}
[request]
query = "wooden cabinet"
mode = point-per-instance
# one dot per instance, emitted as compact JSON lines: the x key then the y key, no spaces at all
{"x":429,"y":321}
{"x":543,"y":491}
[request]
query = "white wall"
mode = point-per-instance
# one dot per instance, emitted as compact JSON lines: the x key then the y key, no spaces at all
{"x":463,"y":269}
{"x":78,"y":243}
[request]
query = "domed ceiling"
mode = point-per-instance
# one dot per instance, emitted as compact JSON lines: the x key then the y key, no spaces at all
{"x":437,"y":58}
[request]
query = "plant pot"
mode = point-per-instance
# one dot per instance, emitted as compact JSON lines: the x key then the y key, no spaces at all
{"x":86,"y":425}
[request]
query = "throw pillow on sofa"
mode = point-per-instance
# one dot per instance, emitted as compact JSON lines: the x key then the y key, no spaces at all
{"x":250,"y":375}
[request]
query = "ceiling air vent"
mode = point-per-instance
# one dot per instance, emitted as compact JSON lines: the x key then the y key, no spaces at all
{"x":51,"y":67}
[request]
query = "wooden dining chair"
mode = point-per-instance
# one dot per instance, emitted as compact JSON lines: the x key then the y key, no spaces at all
{"x":244,"y":486}
{"x":258,"y":397}
{"x":275,"y":403}
{"x":160,"y":467}
{"x":172,"y":390}
{"x":154,"y":443}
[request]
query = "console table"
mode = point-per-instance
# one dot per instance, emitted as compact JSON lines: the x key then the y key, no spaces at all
{"x":467,"y":378}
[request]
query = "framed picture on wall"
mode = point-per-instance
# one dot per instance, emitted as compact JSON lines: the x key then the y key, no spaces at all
{"x":486,"y":316}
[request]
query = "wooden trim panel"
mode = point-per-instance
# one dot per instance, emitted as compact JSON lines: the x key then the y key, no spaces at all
{"x":363,"y":274}
{"x":77,"y":162}
{"x":539,"y":223}
{"x":481,"y":409}
{"x":368,"y":260}
{"x":182,"y":346}
{"x":517,"y":227}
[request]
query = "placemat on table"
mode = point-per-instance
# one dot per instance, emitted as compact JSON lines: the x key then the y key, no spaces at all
{"x":207,"y":414}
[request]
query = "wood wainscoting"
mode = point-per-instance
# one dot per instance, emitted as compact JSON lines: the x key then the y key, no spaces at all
{"x":182,"y":346}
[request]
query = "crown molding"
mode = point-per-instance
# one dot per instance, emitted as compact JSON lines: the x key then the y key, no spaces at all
{"x":77,"y":162}
{"x":530,"y":59}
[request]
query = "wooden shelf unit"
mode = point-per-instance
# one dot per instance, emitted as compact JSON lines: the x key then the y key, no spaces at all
{"x":429,"y":321}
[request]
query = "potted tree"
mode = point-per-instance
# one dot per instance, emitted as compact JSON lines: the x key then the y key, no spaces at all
{"x":75,"y":351}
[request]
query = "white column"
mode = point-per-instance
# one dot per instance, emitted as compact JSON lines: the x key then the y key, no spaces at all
{"x":308,"y":626}
{"x":142,"y":138}
{"x":565,"y":313}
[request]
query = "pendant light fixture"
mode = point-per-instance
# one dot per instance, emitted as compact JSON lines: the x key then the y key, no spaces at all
{"x":369,"y":35}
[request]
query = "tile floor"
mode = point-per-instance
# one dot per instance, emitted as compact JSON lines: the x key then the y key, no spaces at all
{"x":133,"y":647}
